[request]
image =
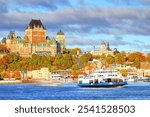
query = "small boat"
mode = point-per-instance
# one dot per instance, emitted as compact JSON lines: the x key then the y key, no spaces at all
{"x":102,"y":78}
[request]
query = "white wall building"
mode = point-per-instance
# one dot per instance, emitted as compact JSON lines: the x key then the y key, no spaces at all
{"x":43,"y":73}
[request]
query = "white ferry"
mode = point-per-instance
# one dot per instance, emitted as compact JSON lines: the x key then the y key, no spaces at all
{"x":102,"y":78}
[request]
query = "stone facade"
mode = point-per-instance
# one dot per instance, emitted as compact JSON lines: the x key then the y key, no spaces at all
{"x":104,"y":49}
{"x":35,"y":41}
{"x":60,"y":37}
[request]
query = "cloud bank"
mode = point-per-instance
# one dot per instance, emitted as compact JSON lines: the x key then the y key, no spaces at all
{"x":81,"y":19}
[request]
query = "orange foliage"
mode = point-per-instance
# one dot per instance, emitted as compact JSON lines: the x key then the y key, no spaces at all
{"x":6,"y":74}
{"x":123,"y":72}
{"x":1,"y":62}
{"x":135,"y":56}
{"x":143,"y":58}
{"x":3,"y":48}
{"x":16,"y":74}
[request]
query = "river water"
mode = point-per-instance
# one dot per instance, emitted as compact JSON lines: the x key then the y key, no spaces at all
{"x":132,"y":91}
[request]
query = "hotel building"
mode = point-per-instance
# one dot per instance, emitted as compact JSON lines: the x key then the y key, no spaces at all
{"x":35,"y":41}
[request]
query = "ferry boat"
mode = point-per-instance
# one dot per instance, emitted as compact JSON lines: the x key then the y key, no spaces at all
{"x":102,"y":78}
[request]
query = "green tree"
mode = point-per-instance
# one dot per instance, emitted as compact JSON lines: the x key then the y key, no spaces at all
{"x":75,"y":67}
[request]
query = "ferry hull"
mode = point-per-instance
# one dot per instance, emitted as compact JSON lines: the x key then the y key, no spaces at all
{"x":103,"y":84}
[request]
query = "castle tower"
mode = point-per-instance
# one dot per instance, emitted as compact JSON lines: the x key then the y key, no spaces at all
{"x":11,"y":36}
{"x":105,"y":46}
{"x":60,"y":37}
{"x":35,"y":32}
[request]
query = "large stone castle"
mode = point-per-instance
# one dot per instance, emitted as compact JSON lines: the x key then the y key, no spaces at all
{"x":35,"y":41}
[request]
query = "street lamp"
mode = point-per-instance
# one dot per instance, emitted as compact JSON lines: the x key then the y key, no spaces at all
{"x":90,"y":60}
{"x":24,"y":73}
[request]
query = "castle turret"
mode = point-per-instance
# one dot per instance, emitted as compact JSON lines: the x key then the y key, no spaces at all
{"x":105,"y":46}
{"x":60,"y":37}
{"x":11,"y":35}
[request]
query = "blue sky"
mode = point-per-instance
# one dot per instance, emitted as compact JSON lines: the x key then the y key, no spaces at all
{"x":124,"y":23}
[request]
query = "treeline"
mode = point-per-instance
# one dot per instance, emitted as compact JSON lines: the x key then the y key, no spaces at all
{"x":134,"y":59}
{"x":12,"y":62}
{"x":68,"y":60}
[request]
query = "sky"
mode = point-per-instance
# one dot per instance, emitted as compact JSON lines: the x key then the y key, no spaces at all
{"x":125,"y":24}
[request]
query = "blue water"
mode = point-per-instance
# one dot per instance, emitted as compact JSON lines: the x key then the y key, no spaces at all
{"x":133,"y":91}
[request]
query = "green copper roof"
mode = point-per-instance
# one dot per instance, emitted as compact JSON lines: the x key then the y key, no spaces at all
{"x":20,"y":40}
{"x":42,"y":44}
{"x":54,"y":41}
{"x":11,"y":35}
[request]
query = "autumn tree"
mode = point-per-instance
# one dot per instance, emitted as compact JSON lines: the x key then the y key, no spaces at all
{"x":67,"y":61}
{"x":148,"y":57}
{"x":120,"y":58}
{"x":16,"y":74}
{"x":3,"y":49}
{"x":103,"y":56}
{"x":135,"y":56}
{"x":123,"y":72}
{"x":6,"y":74}
{"x":76,"y":51}
{"x":58,"y":61}
{"x":75,"y":67}
{"x":10,"y":58}
{"x":136,"y":64}
{"x":109,"y":60}
{"x":85,"y":59}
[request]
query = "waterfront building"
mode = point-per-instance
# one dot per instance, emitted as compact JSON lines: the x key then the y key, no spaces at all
{"x":61,"y":73}
{"x":145,"y":65}
{"x":104,"y":50}
{"x":35,"y":41}
{"x":145,"y":68}
{"x":42,"y":73}
{"x":146,"y":73}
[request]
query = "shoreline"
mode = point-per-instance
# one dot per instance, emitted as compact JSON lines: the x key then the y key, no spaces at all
{"x":11,"y":82}
{"x":51,"y":82}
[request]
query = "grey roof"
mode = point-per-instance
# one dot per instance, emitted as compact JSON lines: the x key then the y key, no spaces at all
{"x":3,"y":40}
{"x":60,"y":33}
{"x":36,"y":23}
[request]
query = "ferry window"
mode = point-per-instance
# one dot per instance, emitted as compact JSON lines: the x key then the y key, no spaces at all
{"x":108,"y":80}
{"x":96,"y":81}
{"x":91,"y":81}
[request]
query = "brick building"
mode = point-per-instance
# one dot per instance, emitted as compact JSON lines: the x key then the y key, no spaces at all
{"x":35,"y":32}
